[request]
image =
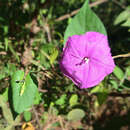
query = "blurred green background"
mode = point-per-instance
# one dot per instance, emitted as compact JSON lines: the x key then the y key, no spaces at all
{"x":31,"y":39}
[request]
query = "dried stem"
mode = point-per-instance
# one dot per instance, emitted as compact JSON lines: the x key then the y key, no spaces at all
{"x":46,"y":127}
{"x":42,"y":90}
{"x":121,"y":55}
{"x":3,"y":53}
{"x":37,"y":118}
{"x":61,"y":122}
{"x":77,"y":10}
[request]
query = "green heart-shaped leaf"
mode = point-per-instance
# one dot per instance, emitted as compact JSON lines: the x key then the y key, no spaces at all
{"x":86,"y":20}
{"x":23,"y":90}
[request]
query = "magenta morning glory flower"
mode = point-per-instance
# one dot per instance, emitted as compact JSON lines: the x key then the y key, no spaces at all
{"x":86,"y":59}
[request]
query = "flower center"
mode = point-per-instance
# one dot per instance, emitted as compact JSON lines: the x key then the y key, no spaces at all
{"x":86,"y":60}
{"x":83,"y":61}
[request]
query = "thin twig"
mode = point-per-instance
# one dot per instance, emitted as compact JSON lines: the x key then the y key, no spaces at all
{"x":46,"y":127}
{"x":121,"y":55}
{"x":3,"y":53}
{"x":37,"y":118}
{"x":42,"y":90}
{"x":77,"y":10}
{"x":47,"y":29}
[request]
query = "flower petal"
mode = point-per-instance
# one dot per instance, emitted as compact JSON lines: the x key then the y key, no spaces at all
{"x":77,"y":45}
{"x":72,"y":69}
{"x":97,"y":73}
{"x":93,"y":46}
{"x":98,"y":47}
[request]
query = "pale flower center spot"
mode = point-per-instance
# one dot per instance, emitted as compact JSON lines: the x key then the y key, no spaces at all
{"x":86,"y":60}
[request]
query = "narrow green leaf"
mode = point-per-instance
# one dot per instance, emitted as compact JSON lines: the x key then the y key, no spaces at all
{"x":114,"y":84}
{"x":118,"y":73}
{"x":128,"y":71}
{"x":101,"y":97}
{"x":124,"y":15}
{"x":61,"y":100}
{"x":27,"y":115}
{"x":53,"y":56}
{"x":6,"y":111}
{"x":73,"y":100}
{"x":96,"y":89}
{"x":127,"y":23}
{"x":5,"y":94}
{"x":13,"y":51}
{"x":6,"y":43}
